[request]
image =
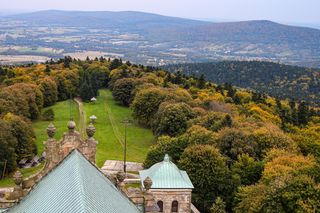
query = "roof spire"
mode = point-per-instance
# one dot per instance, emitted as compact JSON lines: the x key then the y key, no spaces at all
{"x":166,"y":158}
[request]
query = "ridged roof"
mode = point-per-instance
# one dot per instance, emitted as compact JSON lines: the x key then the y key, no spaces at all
{"x":166,"y":175}
{"x":75,"y":185}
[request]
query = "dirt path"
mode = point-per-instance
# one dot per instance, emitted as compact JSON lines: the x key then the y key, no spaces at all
{"x":82,"y":124}
{"x":82,"y":120}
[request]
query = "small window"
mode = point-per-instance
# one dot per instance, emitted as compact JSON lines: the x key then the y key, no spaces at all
{"x":174,"y":207}
{"x":160,"y":204}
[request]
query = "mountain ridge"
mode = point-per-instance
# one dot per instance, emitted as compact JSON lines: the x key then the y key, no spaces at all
{"x":132,"y":12}
{"x":162,"y":39}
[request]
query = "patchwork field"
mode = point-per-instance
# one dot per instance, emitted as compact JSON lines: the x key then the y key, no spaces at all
{"x":13,"y":59}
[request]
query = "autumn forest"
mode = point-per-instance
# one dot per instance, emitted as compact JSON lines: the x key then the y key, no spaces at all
{"x":243,"y":149}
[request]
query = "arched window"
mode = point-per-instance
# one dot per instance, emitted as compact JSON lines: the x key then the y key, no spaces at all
{"x":160,"y":204}
{"x":174,"y":207}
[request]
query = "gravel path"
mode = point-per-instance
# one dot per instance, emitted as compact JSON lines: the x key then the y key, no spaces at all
{"x":82,"y":124}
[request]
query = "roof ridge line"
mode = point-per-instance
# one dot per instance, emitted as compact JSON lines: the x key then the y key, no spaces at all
{"x":80,"y":181}
{"x":106,"y":179}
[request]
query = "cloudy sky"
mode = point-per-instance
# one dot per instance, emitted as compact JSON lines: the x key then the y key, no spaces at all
{"x":285,"y":11}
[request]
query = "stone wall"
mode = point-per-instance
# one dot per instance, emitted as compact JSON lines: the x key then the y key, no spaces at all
{"x":57,"y":151}
{"x":167,"y":196}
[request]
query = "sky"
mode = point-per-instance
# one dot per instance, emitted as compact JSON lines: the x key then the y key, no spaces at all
{"x":283,"y":11}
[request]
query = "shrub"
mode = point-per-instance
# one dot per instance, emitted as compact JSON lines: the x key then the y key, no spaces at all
{"x":48,"y":115}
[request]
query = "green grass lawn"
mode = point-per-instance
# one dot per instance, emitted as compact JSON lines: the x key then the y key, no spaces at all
{"x":139,"y":139}
{"x":62,"y":116}
{"x":8,"y":181}
{"x":108,"y":112}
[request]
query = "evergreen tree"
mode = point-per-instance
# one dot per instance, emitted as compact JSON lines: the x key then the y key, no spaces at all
{"x":167,"y":80}
{"x":115,"y":63}
{"x":294,"y":116}
{"x":128,"y":63}
{"x":178,"y":78}
{"x":86,"y":91}
{"x":236,"y":99}
{"x":303,"y":114}
{"x":201,"y":82}
{"x":47,"y":70}
{"x":218,"y":206}
{"x":102,"y":59}
{"x":2,"y":71}
{"x":66,"y":61}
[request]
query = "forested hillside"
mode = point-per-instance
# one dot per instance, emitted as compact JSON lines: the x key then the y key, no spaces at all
{"x":279,"y":80}
{"x":242,"y":149}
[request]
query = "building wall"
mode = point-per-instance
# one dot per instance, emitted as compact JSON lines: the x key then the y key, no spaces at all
{"x":167,"y":196}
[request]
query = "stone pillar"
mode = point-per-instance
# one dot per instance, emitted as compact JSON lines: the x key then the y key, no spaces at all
{"x":51,"y":148}
{"x":150,"y":204}
{"x":121,"y":176}
{"x":89,"y":147}
{"x":71,"y":140}
{"x":17,"y":193}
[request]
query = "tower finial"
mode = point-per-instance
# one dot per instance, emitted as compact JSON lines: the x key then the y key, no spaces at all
{"x":166,"y":158}
{"x":71,"y":125}
{"x":147,"y":182}
{"x":51,"y":130}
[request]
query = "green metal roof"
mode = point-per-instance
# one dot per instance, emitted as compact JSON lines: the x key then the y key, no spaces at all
{"x":75,"y":185}
{"x":166,"y":175}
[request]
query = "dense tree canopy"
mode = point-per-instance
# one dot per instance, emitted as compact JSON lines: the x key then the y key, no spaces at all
{"x":288,"y":184}
{"x":24,"y":134}
{"x":244,"y":150}
{"x":7,"y":152}
{"x":209,"y":173}
{"x":171,"y":119}
{"x":123,"y":90}
{"x":49,"y":90}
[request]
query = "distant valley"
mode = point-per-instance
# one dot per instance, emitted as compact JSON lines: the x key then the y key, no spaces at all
{"x":152,"y":39}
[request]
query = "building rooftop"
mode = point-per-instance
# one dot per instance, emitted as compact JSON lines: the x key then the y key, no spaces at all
{"x":166,"y":175}
{"x":75,"y":185}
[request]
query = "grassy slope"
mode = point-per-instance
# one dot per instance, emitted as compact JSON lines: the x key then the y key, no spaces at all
{"x":62,"y":116}
{"x":139,"y":139}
